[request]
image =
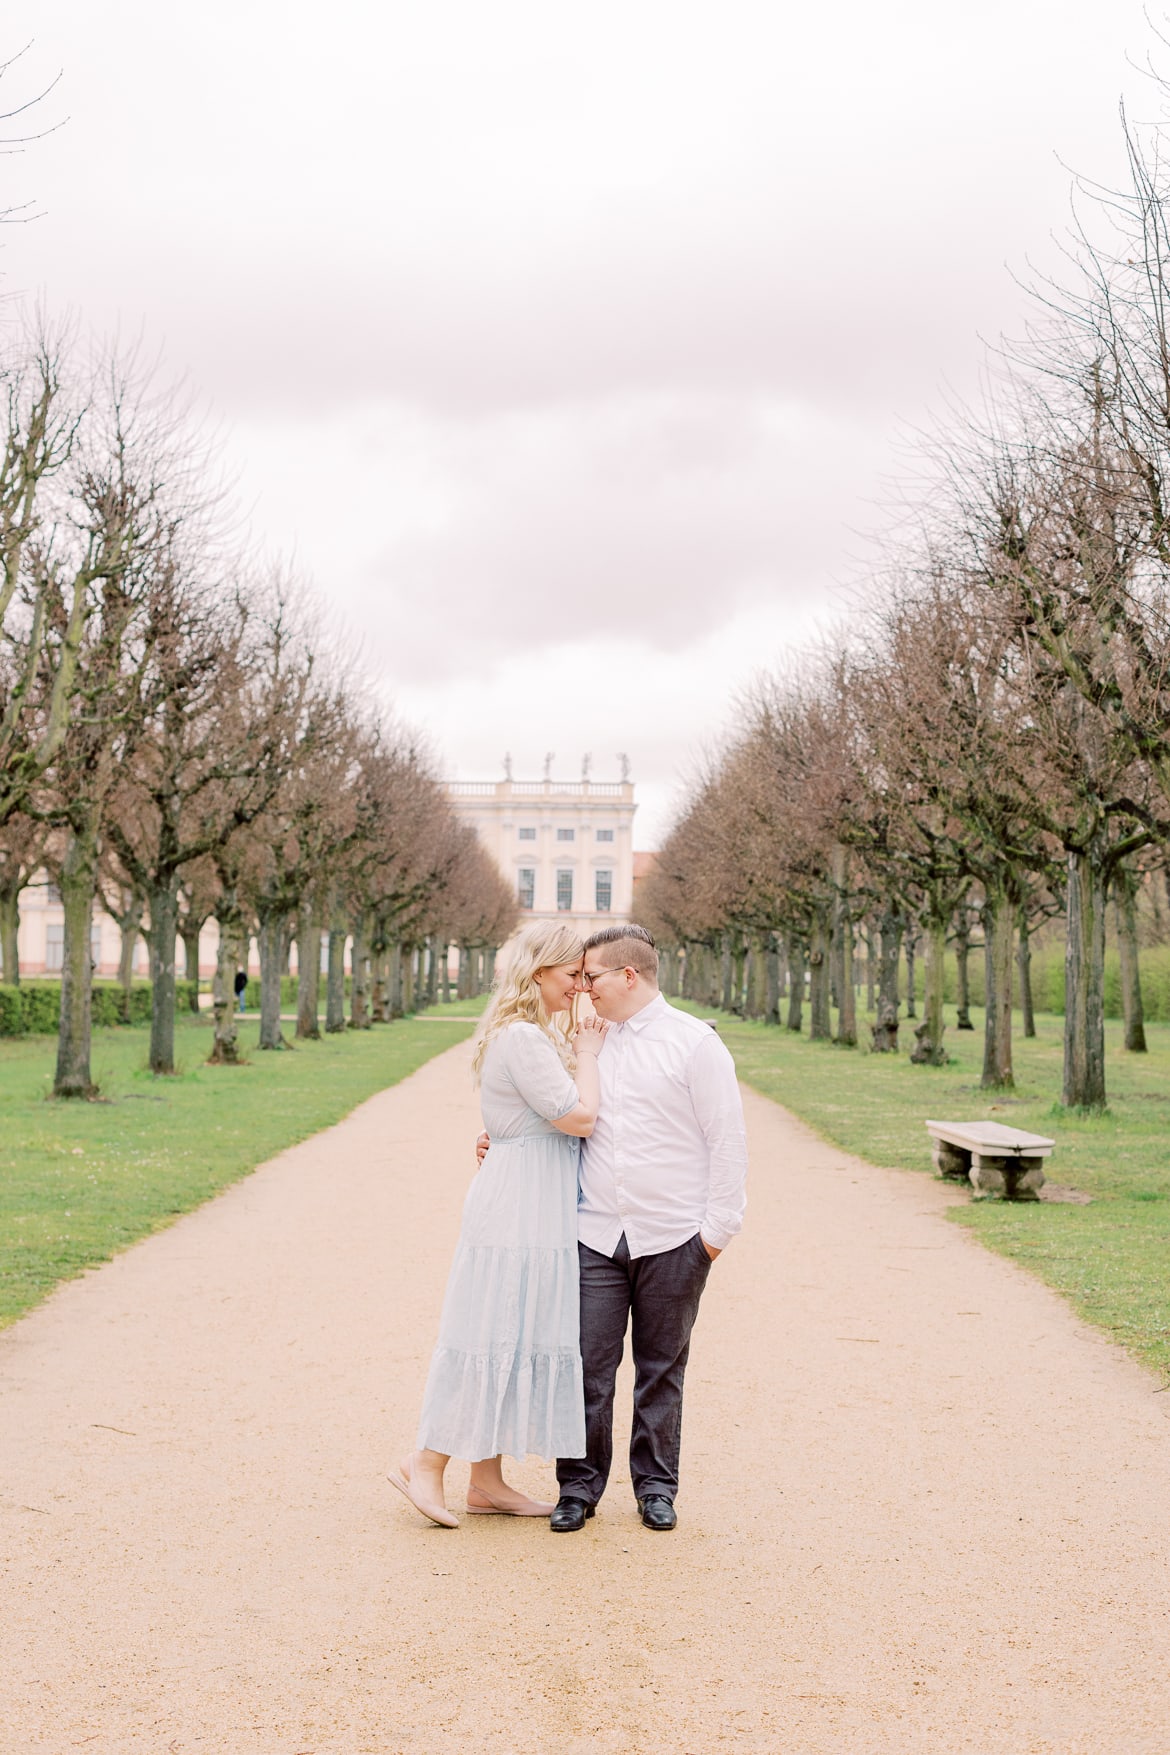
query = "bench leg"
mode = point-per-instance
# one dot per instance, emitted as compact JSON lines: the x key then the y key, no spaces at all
{"x":1028,"y":1180}
{"x":1007,"y":1178}
{"x":987,"y":1176}
{"x":951,"y":1161}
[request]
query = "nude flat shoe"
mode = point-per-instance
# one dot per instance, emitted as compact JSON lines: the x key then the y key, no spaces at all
{"x":527,"y":1507}
{"x":439,"y":1514}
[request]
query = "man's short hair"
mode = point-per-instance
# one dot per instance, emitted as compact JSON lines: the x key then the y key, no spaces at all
{"x":627,"y":945}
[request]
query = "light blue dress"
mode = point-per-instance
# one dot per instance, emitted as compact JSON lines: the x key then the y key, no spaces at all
{"x":506,"y":1372}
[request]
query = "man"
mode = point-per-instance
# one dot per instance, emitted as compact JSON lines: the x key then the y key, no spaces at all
{"x":661,"y":1196}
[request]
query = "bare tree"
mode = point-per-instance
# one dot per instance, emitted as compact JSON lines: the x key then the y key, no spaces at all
{"x":192,"y":783}
{"x":127,"y":490}
{"x":22,"y":850}
{"x":43,"y":606}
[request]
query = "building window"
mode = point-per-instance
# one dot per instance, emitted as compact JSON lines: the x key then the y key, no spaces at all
{"x":564,"y":892}
{"x":605,"y":834}
{"x":55,"y":945}
{"x":603,"y":891}
{"x":566,"y":834}
{"x":526,"y":886}
{"x":527,"y":834}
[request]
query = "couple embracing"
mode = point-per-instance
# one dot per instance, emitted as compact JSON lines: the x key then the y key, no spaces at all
{"x":612,"y":1178}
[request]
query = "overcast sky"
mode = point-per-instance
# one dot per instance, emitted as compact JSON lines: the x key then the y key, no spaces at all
{"x":569,"y":349}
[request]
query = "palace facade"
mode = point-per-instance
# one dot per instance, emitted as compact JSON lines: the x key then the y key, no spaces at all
{"x":566,"y":847}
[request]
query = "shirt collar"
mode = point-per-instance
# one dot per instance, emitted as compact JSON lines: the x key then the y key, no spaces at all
{"x":647,"y":1014}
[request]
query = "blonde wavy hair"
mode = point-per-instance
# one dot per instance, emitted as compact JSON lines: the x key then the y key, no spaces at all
{"x":517,"y":998}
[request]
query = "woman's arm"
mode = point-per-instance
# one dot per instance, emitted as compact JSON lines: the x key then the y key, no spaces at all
{"x":587,"y":1042}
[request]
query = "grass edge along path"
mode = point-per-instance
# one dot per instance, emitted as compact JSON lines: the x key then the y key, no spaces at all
{"x":1110,"y":1258}
{"x":79,"y":1182}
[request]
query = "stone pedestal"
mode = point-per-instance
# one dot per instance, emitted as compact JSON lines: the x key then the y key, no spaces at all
{"x":951,"y":1161}
{"x":1029,"y":1180}
{"x":1014,"y":1178}
{"x":987,"y":1177}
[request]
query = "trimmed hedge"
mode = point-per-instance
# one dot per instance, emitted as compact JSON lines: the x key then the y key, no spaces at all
{"x":1048,"y":980}
{"x":288,"y":992}
{"x":34,"y":1008}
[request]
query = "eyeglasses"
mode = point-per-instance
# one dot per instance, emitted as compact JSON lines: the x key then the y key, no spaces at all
{"x":588,"y":979}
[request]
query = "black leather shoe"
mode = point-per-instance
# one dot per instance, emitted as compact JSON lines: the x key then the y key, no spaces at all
{"x":570,"y":1514}
{"x":657,"y":1512}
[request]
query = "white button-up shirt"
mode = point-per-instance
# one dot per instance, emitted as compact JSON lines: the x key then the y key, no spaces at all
{"x":668,"y":1155}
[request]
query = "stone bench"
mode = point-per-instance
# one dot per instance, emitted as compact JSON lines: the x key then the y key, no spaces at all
{"x":997,"y":1159}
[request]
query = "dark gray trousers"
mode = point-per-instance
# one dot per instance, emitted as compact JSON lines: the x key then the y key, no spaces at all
{"x":661,"y":1293}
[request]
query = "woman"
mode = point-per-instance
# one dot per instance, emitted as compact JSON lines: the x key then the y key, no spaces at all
{"x":506,"y":1372}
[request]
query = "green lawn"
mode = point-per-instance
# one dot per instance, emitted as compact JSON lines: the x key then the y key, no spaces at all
{"x":1110,"y":1258}
{"x":80,"y":1181}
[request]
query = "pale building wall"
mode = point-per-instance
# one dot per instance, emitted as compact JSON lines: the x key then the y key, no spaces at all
{"x":576,"y":839}
{"x":40,"y":941}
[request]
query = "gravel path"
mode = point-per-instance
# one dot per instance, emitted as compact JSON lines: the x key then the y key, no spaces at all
{"x":923,"y":1508}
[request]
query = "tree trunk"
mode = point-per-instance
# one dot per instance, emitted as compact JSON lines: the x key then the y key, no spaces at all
{"x":843,"y":951}
{"x":335,"y":976}
{"x":359,"y":1004}
{"x":432,"y":970}
{"x":78,"y":888}
{"x":129,"y":925}
{"x":847,"y":1007}
{"x":1132,"y":1010}
{"x":772,"y":981}
{"x":273,"y":955}
{"x":444,"y":973}
{"x":379,"y":982}
{"x":928,"y":1047}
{"x":393,"y":1000}
{"x":406,"y":980}
{"x":463,"y":986}
{"x":308,"y":971}
{"x":796,"y":982}
{"x":231,"y":955}
{"x":164,"y":932}
{"x":870,"y":968}
{"x":999,"y":922}
{"x":190,"y":936}
{"x":753,"y":987}
{"x":962,"y":952}
{"x":1024,"y":971}
{"x":489,"y":967}
{"x":9,"y":930}
{"x":726,"y":973}
{"x":884,"y":1030}
{"x":911,"y":987}
{"x":1084,"y":983}
{"x":738,"y":975}
{"x":820,"y":971}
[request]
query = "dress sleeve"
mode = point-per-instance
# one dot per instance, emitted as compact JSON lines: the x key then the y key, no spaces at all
{"x":535,"y":1068}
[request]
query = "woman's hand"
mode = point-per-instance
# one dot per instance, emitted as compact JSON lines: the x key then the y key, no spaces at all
{"x":589,"y":1035}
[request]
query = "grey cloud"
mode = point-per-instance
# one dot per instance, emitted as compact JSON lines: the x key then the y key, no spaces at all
{"x":655,"y":518}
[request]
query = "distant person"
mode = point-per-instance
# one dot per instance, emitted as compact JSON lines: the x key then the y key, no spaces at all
{"x":661,"y":1196}
{"x":506,"y":1372}
{"x":241,"y":986}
